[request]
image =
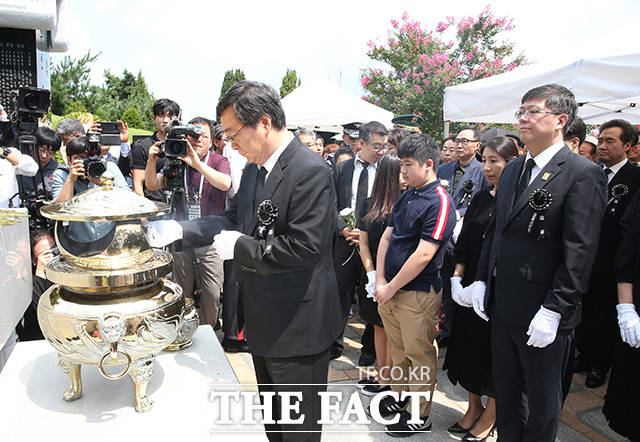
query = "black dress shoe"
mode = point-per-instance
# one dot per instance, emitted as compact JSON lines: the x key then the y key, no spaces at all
{"x":366,"y":359}
{"x":595,"y":378}
{"x":235,"y":346}
{"x":471,"y":437}
{"x":335,"y":354}
{"x":457,"y":429}
{"x":580,"y":366}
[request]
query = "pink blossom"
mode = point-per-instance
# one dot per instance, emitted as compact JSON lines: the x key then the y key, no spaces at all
{"x":419,"y":113}
{"x":405,"y":15}
{"x":418,"y":89}
{"x":394,"y":23}
{"x":406,"y":73}
{"x":442,"y":26}
{"x":365,"y":81}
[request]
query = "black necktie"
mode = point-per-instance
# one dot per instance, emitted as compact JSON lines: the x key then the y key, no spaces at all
{"x":525,"y":178}
{"x":607,"y":173}
{"x":363,"y":187}
{"x":262,"y":173}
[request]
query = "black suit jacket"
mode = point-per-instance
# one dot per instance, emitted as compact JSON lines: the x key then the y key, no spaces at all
{"x":290,"y":293}
{"x":552,"y":272}
{"x":343,"y":180}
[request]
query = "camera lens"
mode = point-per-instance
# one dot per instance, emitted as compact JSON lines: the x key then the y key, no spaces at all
{"x":94,"y":167}
{"x":31,"y":101}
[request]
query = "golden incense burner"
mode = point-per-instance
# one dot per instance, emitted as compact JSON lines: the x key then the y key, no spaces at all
{"x":110,"y":305}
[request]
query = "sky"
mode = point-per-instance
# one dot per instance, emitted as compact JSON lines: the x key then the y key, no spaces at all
{"x":184,"y":48}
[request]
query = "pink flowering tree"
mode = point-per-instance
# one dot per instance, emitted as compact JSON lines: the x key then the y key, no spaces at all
{"x":419,"y":63}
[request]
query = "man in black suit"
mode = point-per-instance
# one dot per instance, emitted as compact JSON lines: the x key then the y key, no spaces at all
{"x":597,"y":334}
{"x":353,"y":181}
{"x":283,"y":254}
{"x":535,"y":266}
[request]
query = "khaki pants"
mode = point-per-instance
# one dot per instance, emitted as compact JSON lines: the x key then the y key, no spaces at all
{"x":211,"y":273}
{"x":410,"y":320}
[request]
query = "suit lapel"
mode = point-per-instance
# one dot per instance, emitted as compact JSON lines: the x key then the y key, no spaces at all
{"x":273,"y":180}
{"x":469,"y":174}
{"x":544,"y":177}
{"x":347,"y":182}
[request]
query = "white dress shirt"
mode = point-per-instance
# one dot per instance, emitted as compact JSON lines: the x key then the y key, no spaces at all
{"x":542,"y":159}
{"x":236,"y":165}
{"x":27,"y":166}
{"x":615,"y":168}
{"x":356,"y":176}
{"x":273,"y":159}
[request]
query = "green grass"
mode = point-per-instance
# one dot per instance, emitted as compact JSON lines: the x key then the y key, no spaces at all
{"x":55,"y":119}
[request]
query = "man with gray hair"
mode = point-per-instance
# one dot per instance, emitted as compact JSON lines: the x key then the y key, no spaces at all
{"x":68,"y":129}
{"x":308,"y":138}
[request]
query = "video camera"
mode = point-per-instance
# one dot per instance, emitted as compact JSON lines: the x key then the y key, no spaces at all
{"x":176,"y":143}
{"x":94,"y":167}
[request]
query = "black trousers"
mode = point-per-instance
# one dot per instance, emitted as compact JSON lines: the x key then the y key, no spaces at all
{"x":294,"y":374}
{"x":232,"y":312}
{"x":528,"y":382}
{"x":349,"y":273}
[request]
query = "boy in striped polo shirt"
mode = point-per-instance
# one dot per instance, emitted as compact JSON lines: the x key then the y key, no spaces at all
{"x":408,"y":284}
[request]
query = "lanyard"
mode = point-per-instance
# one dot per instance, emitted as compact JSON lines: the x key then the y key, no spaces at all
{"x":199,"y":194}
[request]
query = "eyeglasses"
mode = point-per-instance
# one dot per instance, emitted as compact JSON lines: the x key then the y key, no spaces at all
{"x":233,"y":137}
{"x":532,"y":113}
{"x":379,"y":146}
{"x":463,"y":141}
{"x":47,"y":149}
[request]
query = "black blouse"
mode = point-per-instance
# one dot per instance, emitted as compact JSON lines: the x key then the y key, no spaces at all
{"x":474,"y":226}
{"x":627,"y":262}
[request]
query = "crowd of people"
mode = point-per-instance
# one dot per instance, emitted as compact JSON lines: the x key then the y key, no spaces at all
{"x":519,"y":253}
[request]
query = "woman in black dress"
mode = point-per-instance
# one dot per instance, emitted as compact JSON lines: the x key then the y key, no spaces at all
{"x":387,"y":188}
{"x":621,"y":407}
{"x":468,"y":358}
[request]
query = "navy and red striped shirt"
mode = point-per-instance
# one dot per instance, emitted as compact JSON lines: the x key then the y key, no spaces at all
{"x":425,"y":213}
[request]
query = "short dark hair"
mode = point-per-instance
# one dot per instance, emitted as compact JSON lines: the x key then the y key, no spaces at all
{"x":77,"y":146}
{"x":471,"y":128}
{"x":164,"y":105}
{"x":420,"y":147}
{"x":396,"y":136}
{"x":627,"y":135}
{"x":557,"y":98}
{"x":577,"y":128}
{"x":250,"y":101}
{"x":367,"y":130}
{"x":203,"y":120}
{"x":217,"y":133}
{"x":345,"y":149}
{"x":37,"y":235}
{"x":47,"y":137}
{"x":504,"y":146}
{"x":449,"y":138}
{"x":593,"y":147}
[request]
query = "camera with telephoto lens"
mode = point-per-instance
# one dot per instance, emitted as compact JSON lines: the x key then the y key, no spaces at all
{"x":93,"y":165}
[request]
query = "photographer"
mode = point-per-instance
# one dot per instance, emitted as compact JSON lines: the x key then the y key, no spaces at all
{"x":48,"y":143}
{"x":164,"y":111}
{"x":13,"y":163}
{"x":118,"y":154}
{"x":66,"y":182}
{"x":68,"y":129}
{"x":208,"y":178}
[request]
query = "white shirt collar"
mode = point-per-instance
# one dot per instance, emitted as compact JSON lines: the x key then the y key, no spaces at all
{"x":273,"y":159}
{"x":545,"y":156}
{"x":616,"y":167}
{"x":358,"y":164}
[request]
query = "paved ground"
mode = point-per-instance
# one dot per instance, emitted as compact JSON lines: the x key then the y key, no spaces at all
{"x":582,"y":419}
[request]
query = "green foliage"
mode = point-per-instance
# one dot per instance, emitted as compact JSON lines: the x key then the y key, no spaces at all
{"x":420,"y":63}
{"x":75,"y":106}
{"x":70,"y":84}
{"x":132,"y":117}
{"x":290,"y":81}
{"x":231,"y":77}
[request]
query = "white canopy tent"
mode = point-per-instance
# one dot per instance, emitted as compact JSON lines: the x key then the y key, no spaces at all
{"x":322,"y":105}
{"x":605,"y":88}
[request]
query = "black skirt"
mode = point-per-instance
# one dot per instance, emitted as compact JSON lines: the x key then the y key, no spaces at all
{"x":468,"y":358}
{"x":621,"y":405}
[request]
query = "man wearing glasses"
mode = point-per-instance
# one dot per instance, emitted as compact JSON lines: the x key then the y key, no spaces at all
{"x":535,"y":265}
{"x":354,"y":184}
{"x":466,"y":168}
{"x":48,"y":144}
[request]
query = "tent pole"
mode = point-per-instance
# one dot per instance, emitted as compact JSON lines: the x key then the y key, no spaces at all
{"x":446,"y":129}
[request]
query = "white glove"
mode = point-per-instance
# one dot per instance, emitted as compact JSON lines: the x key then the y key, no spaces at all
{"x":456,"y":288}
{"x":477,"y":298}
{"x":163,"y":232}
{"x":371,"y":284}
{"x":629,"y":324}
{"x":543,"y":328}
{"x":466,"y":297}
{"x":224,"y":243}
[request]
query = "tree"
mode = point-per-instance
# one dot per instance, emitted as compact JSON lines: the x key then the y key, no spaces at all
{"x":290,"y":81}
{"x":420,"y":64}
{"x":70,"y":82}
{"x":231,"y":77}
{"x":75,"y":106}
{"x":132,"y":117}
